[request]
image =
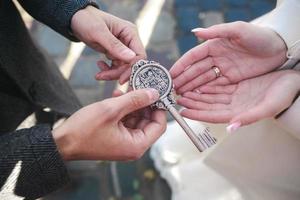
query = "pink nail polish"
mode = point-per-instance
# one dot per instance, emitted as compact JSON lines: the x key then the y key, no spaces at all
{"x":233,"y":127}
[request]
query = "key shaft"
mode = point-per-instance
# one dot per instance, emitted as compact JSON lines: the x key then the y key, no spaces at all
{"x":187,"y":129}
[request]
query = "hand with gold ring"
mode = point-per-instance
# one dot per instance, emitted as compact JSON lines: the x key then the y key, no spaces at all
{"x":243,"y":103}
{"x":232,"y":52}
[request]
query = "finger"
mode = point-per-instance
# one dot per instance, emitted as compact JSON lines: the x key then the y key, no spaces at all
{"x":212,"y":116}
{"x":125,"y":76}
{"x":266,"y":109}
{"x":137,"y":46}
{"x":228,"y":89}
{"x":110,"y":57}
{"x":193,"y":71}
{"x":198,"y":105}
{"x":209,"y":98}
{"x":219,"y":81}
{"x":135,"y":100}
{"x":114,"y":46}
{"x":97,"y":47}
{"x":117,"y":93}
{"x":103,"y":65}
{"x":112,"y":74}
{"x":227,"y":30}
{"x":156,"y":127}
{"x":195,"y":54}
{"x":197,"y":82}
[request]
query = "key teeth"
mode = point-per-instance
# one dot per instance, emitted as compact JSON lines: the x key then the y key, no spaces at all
{"x":206,"y":138}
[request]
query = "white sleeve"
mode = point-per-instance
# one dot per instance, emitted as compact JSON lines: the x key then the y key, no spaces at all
{"x":285,"y":20}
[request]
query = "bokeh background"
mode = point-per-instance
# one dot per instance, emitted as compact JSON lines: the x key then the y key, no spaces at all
{"x":165,"y":28}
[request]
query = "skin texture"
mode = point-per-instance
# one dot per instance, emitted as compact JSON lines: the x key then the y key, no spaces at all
{"x":245,"y":102}
{"x":240,"y":50}
{"x":119,"y":128}
{"x":118,"y":39}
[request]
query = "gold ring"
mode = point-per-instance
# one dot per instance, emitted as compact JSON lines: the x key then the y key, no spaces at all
{"x":217,"y":71}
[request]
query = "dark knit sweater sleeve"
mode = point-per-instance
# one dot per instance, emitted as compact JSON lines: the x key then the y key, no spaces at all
{"x":57,"y":14}
{"x":41,"y":168}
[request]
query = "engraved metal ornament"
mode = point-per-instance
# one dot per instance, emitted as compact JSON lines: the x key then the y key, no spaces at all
{"x":150,"y":74}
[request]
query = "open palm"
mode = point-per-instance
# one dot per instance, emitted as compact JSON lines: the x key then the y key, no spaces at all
{"x":240,"y":50}
{"x":245,"y":102}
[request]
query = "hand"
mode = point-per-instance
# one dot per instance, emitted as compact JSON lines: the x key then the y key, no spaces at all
{"x":114,"y":129}
{"x":116,"y":38}
{"x":245,"y":102}
{"x":240,"y":50}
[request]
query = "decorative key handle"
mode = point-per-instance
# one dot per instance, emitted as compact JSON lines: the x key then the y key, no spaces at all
{"x":150,"y":74}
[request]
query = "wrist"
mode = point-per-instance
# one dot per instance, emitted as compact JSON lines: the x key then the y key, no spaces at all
{"x":64,"y":142}
{"x":80,"y":18}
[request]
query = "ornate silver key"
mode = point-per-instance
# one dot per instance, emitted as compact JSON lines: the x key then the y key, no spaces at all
{"x":150,"y":74}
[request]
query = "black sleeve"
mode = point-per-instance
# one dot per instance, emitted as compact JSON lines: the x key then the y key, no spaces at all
{"x":57,"y":14}
{"x":42,"y":169}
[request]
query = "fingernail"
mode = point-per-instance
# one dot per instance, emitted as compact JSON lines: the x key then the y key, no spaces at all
{"x":196,"y":30}
{"x":97,"y":75}
{"x":233,"y":127}
{"x":153,"y":94}
{"x":174,"y":85}
{"x":128,"y":53}
{"x":105,"y":77}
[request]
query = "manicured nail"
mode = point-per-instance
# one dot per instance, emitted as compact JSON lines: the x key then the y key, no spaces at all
{"x":153,"y":94}
{"x":174,"y":85}
{"x":196,"y":30}
{"x":128,"y":53}
{"x":233,"y":127}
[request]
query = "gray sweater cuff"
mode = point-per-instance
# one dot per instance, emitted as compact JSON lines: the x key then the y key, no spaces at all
{"x":56,"y":13}
{"x":42,"y":168}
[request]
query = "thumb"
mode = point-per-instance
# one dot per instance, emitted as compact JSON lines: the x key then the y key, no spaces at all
{"x":255,"y":114}
{"x":114,"y":46}
{"x":135,"y":100}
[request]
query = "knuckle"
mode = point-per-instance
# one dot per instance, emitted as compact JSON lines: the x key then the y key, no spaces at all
{"x":115,"y":43}
{"x":131,"y":25}
{"x":210,"y":61}
{"x":109,"y":110}
{"x":136,"y":101}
